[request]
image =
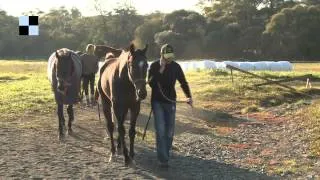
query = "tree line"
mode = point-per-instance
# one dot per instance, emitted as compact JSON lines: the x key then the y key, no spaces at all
{"x":226,"y":29}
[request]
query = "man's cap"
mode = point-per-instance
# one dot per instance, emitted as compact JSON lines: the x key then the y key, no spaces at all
{"x":166,"y":49}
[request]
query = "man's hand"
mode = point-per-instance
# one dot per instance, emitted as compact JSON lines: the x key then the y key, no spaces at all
{"x":190,"y":101}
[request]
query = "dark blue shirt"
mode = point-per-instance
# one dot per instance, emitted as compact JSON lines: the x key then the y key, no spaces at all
{"x":167,"y":81}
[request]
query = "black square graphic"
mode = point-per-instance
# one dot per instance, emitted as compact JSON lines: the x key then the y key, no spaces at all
{"x":33,"y":20}
{"x":23,"y":30}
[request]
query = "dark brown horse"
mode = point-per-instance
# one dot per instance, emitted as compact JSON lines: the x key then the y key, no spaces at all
{"x":101,"y":50}
{"x":64,"y":74}
{"x":122,"y":87}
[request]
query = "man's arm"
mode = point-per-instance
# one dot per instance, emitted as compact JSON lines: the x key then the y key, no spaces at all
{"x":183,"y":82}
{"x":151,"y":76}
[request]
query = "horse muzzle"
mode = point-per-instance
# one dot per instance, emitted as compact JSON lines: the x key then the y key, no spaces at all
{"x":141,"y":94}
{"x":62,"y":87}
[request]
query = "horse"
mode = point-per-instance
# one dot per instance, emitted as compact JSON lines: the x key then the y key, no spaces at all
{"x":122,"y":87}
{"x":64,"y":73}
{"x":101,"y":50}
{"x":79,"y":53}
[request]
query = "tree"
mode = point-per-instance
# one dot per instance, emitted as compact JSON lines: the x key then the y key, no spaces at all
{"x":144,"y":34}
{"x":295,"y":32}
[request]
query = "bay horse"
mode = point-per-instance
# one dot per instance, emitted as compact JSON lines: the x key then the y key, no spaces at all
{"x":122,"y":87}
{"x":64,"y":73}
{"x":101,"y":50}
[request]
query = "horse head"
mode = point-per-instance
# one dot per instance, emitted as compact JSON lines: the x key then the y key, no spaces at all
{"x":64,"y":69}
{"x":137,"y":70}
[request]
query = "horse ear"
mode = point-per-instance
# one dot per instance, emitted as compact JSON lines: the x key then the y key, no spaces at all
{"x":57,"y":54}
{"x":145,"y":49}
{"x":132,"y":48}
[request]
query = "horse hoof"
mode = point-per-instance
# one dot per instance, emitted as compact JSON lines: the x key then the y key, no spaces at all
{"x":111,"y":158}
{"x":119,"y":151}
{"x":62,"y":138}
{"x":70,"y":132}
{"x":130,"y":163}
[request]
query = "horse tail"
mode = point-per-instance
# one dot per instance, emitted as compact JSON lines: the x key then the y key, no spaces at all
{"x":96,"y":94}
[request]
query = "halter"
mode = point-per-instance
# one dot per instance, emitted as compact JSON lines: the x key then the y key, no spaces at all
{"x":130,"y":75}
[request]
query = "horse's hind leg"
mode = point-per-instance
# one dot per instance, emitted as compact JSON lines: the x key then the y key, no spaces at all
{"x":61,"y":122}
{"x":106,"y":105}
{"x":135,"y":109}
{"x":71,"y":118}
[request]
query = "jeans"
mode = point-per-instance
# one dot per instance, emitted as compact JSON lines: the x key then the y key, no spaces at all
{"x":88,"y":79}
{"x":164,"y":115}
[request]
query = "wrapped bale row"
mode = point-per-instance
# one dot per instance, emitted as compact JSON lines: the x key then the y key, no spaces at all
{"x":248,"y":66}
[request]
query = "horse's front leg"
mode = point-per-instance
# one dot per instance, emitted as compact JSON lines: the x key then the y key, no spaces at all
{"x":61,"y":122}
{"x":71,"y":118}
{"x":134,"y":110}
{"x":120,"y":111}
{"x":106,"y":105}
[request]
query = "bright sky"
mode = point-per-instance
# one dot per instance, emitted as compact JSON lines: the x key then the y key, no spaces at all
{"x":17,"y":7}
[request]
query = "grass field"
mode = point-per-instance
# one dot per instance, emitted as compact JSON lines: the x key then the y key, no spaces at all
{"x":25,"y":88}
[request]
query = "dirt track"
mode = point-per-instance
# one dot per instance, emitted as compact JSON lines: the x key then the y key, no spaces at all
{"x":29,"y":149}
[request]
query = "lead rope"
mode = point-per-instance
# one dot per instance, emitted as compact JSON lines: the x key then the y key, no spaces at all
{"x":168,"y":99}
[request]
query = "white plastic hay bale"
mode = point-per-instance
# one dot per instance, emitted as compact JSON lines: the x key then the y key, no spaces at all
{"x":269,"y":65}
{"x":286,"y":65}
{"x":183,"y":65}
{"x":231,"y":63}
{"x":187,"y":66}
{"x":276,"y":66}
{"x":221,"y":65}
{"x":260,"y":66}
{"x":193,"y":65}
{"x":247,"y":66}
{"x":206,"y":64}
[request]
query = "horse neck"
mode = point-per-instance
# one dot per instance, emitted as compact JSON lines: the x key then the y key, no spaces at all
{"x":123,"y":66}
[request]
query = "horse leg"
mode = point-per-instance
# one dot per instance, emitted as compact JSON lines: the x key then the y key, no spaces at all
{"x":134,"y":110}
{"x":61,"y":122}
{"x":71,"y":118}
{"x":120,"y":115}
{"x":119,"y":148}
{"x":106,"y":105}
{"x":85,"y":85}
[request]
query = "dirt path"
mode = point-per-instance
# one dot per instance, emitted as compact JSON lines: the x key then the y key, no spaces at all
{"x":208,"y":145}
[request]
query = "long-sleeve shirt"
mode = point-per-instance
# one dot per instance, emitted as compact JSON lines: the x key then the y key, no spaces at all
{"x":89,"y":64}
{"x":167,"y":81}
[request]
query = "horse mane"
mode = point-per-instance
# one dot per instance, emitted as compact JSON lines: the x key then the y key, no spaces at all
{"x":122,"y":60}
{"x":101,"y":50}
{"x":63,"y":52}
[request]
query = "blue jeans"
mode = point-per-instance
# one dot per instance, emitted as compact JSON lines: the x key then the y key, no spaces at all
{"x":164,"y":117}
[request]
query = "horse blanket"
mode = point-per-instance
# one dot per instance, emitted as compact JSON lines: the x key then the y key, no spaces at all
{"x":73,"y":91}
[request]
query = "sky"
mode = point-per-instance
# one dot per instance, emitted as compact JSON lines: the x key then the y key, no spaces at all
{"x":17,"y":7}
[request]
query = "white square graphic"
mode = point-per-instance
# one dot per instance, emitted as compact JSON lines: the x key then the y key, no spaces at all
{"x":33,"y":30}
{"x":24,"y":21}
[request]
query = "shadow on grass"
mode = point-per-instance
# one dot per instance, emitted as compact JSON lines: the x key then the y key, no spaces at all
{"x":9,"y":78}
{"x":288,"y":97}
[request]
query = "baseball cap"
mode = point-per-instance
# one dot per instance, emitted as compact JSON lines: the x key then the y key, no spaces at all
{"x":167,"y":51}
